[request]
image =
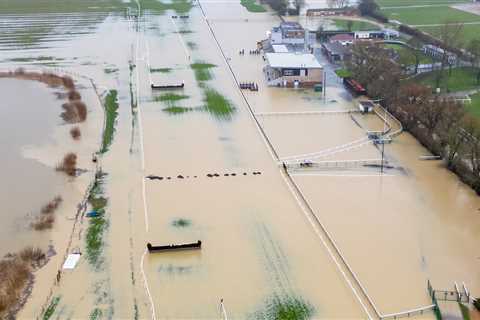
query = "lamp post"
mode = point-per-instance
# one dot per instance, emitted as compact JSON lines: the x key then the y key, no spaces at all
{"x":383,"y":132}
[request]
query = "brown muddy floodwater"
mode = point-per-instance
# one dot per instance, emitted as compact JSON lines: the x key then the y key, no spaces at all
{"x":29,"y":113}
{"x":260,"y":249}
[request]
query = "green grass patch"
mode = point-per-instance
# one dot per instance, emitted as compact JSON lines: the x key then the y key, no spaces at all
{"x":218,"y":105}
{"x":406,"y":56}
{"x":290,"y":308}
{"x":95,"y":314}
{"x":192,"y":45}
{"x":474,"y":107}
{"x":179,"y":6}
{"x":429,"y":15}
{"x":181,"y":223}
{"x":111,"y":113}
{"x":460,"y":79}
{"x":397,"y":3}
{"x":51,"y":308}
{"x":171,"y":97}
{"x":98,"y":224}
{"x":469,"y":32}
{"x":184,"y":31}
{"x":202,"y":70}
{"x":177,"y":110}
{"x":110,"y":70}
{"x":465,"y":311}
{"x":160,"y":70}
{"x":355,"y":26}
{"x":252,"y":6}
{"x":343,"y":73}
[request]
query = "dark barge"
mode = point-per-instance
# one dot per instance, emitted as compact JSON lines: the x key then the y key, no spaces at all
{"x":173,"y":247}
{"x":168,"y":86}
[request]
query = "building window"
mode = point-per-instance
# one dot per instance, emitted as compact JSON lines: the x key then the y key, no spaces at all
{"x":291,"y":72}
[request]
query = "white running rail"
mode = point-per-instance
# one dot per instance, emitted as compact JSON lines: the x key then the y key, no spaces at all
{"x":300,"y":113}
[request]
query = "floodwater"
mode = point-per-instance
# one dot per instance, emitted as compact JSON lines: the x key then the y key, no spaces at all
{"x":30,"y":111}
{"x":416,"y":222}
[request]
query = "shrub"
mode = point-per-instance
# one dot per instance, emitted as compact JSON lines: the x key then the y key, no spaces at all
{"x":74,"y":111}
{"x":74,"y":95}
{"x":75,"y":133}
{"x":68,"y":164}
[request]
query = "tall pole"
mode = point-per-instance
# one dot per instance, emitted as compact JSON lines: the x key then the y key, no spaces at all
{"x":324,"y":85}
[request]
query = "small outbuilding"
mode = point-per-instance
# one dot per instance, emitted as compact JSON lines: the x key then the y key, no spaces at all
{"x":336,"y":52}
{"x":365,"y":106}
{"x":293,"y":70}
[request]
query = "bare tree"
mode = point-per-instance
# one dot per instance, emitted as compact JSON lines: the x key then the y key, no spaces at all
{"x":474,"y":50}
{"x":338,"y":3}
{"x":451,"y":37}
{"x":452,"y":133}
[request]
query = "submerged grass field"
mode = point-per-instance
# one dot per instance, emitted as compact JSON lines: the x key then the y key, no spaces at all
{"x":252,"y":6}
{"x":161,"y":70}
{"x":218,"y":105}
{"x":171,"y":97}
{"x":177,"y":110}
{"x":288,"y":308}
{"x":179,"y":6}
{"x":202,"y":70}
{"x":111,"y":111}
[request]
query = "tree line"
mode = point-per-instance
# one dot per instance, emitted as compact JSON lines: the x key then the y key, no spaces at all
{"x":440,"y":123}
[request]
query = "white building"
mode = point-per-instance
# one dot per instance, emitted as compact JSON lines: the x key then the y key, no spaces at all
{"x":289,"y":33}
{"x":293,"y":70}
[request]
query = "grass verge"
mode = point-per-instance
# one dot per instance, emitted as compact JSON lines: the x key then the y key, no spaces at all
{"x":98,"y":224}
{"x":111,"y":107}
{"x":51,"y":308}
{"x":252,"y":6}
{"x":202,"y":70}
{"x":343,"y":73}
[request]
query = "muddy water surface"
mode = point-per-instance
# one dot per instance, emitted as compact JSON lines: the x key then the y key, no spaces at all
{"x":29,"y":111}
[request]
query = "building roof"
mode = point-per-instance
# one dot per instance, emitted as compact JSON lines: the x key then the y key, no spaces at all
{"x":279,"y":48}
{"x":290,"y":25}
{"x":342,"y":37}
{"x":292,"y":60}
{"x":336,"y":48}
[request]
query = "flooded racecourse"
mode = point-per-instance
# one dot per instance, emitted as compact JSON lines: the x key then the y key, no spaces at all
{"x":343,"y":240}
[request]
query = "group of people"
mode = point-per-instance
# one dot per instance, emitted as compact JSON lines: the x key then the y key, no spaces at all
{"x":254,"y":52}
{"x":181,"y":17}
{"x":252,"y":86}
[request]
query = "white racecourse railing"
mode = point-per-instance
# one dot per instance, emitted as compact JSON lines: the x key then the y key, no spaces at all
{"x":335,"y":164}
{"x":300,"y":113}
